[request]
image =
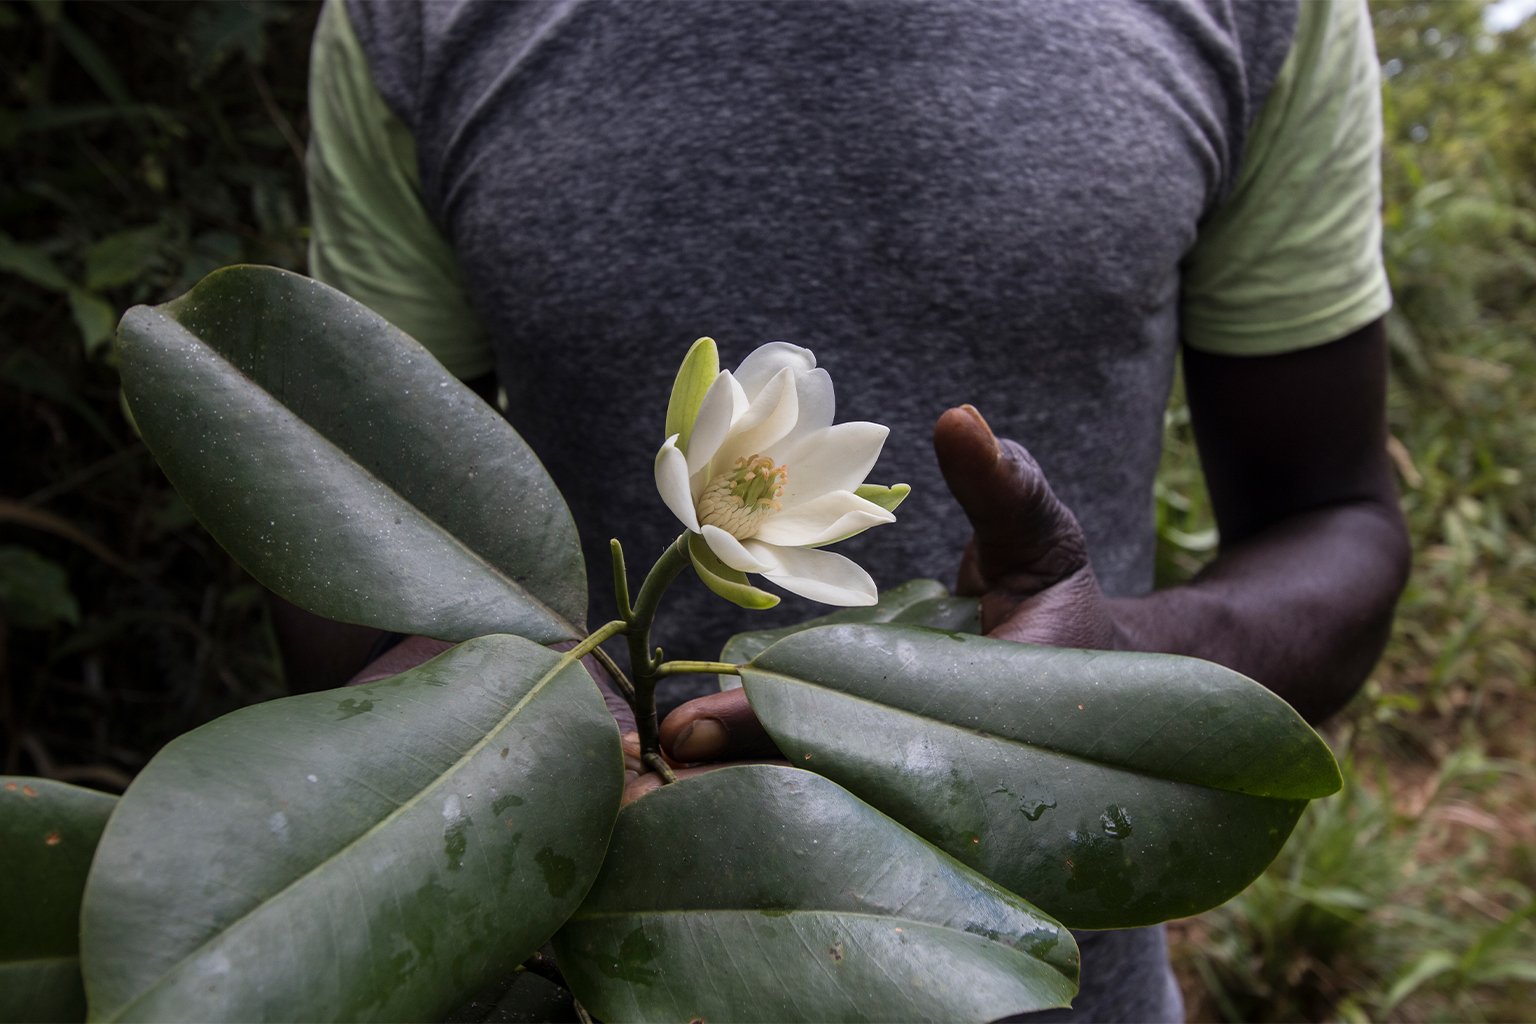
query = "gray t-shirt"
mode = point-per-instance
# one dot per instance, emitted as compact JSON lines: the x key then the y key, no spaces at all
{"x":1021,"y":206}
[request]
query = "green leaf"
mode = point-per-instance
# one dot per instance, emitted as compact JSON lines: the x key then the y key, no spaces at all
{"x":887,"y":498}
{"x":915,"y":596}
{"x":94,"y":318}
{"x":841,"y":914}
{"x":946,"y":613}
{"x":344,"y":467}
{"x":1432,"y":964}
{"x":91,"y":58}
{"x":30,"y":262}
{"x":378,"y":852}
{"x":48,"y":832}
{"x":123,"y":257}
{"x":34,"y":591}
{"x":218,"y":32}
{"x":728,"y":583}
{"x":523,"y":998}
{"x":700,"y":368}
{"x":1111,"y":789}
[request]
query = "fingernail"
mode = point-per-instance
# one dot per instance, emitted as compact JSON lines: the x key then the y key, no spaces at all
{"x":701,"y":740}
{"x":975,"y":414}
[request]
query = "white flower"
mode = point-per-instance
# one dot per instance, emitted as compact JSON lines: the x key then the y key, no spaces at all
{"x":762,"y":478}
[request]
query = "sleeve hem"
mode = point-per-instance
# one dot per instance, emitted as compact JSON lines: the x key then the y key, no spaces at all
{"x":371,"y":236}
{"x":1293,"y":257}
{"x":1241,"y":338}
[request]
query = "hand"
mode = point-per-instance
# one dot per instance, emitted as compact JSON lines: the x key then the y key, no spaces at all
{"x":716,"y":727}
{"x":640,"y":780}
{"x":1027,"y":560}
{"x":719,"y":728}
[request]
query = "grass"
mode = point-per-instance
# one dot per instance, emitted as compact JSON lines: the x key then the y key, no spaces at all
{"x":1409,"y":897}
{"x":1412,"y":895}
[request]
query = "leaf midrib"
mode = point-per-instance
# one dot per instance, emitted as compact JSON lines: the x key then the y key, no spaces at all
{"x":564,"y":662}
{"x":1012,"y":741}
{"x":480,"y":559}
{"x":882,"y":918}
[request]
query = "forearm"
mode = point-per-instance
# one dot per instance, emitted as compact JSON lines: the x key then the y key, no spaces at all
{"x":1303,"y":607}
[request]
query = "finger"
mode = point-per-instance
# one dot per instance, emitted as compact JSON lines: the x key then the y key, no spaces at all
{"x":1025,"y":539}
{"x":629,"y":743}
{"x":636,"y":788}
{"x":969,"y":582}
{"x":649,"y":782}
{"x":720,"y":725}
{"x":1069,"y":614}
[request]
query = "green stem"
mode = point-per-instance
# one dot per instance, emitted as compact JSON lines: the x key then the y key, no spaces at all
{"x":672,"y":562}
{"x":658,"y":764}
{"x":626,"y":688}
{"x":678,"y":668}
{"x":587,"y":646}
{"x":620,"y":580}
{"x":642,"y":662}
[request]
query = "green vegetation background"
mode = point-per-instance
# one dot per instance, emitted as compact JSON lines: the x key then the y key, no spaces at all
{"x":146,"y":144}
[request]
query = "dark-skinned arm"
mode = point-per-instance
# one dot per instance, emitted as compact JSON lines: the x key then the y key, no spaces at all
{"x":1314,"y":552}
{"x":1313,"y":557}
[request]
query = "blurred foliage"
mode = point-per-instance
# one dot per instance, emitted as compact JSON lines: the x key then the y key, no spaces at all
{"x":1396,"y":900}
{"x":144,"y":145}
{"x":1412,"y":896}
{"x":1460,"y":240}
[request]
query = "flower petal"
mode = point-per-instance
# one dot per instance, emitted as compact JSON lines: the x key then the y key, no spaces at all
{"x":887,"y":497}
{"x":829,"y":517}
{"x":772,"y":415}
{"x":818,"y":575}
{"x":813,"y":391}
{"x":766,"y":361}
{"x":730,"y":551}
{"x":725,"y":581}
{"x":835,"y":459}
{"x":700,"y":368}
{"x":717,"y":412}
{"x":672,"y":482}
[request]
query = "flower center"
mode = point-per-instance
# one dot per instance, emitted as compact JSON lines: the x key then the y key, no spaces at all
{"x":741,"y":498}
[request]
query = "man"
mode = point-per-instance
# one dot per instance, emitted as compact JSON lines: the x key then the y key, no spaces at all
{"x":1033,"y":208}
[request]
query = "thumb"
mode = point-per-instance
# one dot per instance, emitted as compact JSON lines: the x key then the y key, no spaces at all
{"x":1025,"y":539}
{"x":717,"y":727}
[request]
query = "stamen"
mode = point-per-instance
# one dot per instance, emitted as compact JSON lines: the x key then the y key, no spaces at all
{"x":740,"y":499}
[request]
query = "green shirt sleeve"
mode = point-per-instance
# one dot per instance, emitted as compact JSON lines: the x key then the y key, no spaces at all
{"x":371,"y":235}
{"x":1293,"y":257}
